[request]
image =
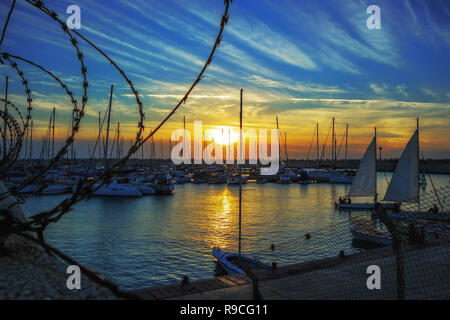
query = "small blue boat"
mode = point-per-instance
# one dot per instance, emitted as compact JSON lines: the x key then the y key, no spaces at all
{"x":228,"y":262}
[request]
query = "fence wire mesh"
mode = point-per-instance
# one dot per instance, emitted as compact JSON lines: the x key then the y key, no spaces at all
{"x":339,"y":262}
{"x":436,"y":199}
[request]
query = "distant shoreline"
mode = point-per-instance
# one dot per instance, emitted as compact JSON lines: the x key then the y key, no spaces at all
{"x":437,"y":166}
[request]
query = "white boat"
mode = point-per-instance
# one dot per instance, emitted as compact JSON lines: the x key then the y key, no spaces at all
{"x":182,"y":179}
{"x":164,"y":184}
{"x":55,"y":189}
{"x":374,"y":238}
{"x":31,"y":188}
{"x":443,"y":216}
{"x":261,"y":180}
{"x":284,"y":179}
{"x":52,"y":175}
{"x":228,"y":262}
{"x":304,"y":178}
{"x":340,"y":178}
{"x":367,"y":206}
{"x":236,"y":178}
{"x":319,"y":175}
{"x":355,"y":206}
{"x":145,"y":189}
{"x":365,"y":183}
{"x":217,"y":178}
{"x":405,"y":183}
{"x":115,"y":189}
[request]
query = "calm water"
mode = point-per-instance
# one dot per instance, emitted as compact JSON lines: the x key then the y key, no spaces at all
{"x":156,"y":240}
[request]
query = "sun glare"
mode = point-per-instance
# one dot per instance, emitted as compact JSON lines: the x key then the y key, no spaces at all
{"x":224,"y":135}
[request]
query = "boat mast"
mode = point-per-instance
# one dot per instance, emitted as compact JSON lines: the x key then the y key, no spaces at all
{"x":53,"y":132}
{"x":99,"y":137}
{"x":279,"y":146}
{"x":71,"y":145}
{"x":4,"y":123}
{"x":31,"y":146}
{"x":346,"y":146}
{"x":229,"y":145}
{"x":184,"y":136}
{"x":170,"y":149}
{"x":107,"y":127}
{"x":25,"y":151}
{"x":418,"y":166}
{"x":317,"y":138}
{"x":375,"y":168}
{"x":285,"y":150}
{"x":240,"y":178}
{"x":332,"y":148}
{"x":118,"y":141}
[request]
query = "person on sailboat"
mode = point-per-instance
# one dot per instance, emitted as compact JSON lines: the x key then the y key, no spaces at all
{"x":434,"y":209}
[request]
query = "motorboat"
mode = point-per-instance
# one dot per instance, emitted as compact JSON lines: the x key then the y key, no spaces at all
{"x":284,"y":179}
{"x":340,"y":178}
{"x":236,"y":179}
{"x":116,"y":189}
{"x":54,"y":189}
{"x":145,"y":189}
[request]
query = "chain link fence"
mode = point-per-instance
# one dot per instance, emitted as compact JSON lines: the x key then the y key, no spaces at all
{"x":385,"y":259}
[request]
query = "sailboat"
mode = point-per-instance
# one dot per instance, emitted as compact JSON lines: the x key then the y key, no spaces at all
{"x":365,"y":182}
{"x":405,"y":183}
{"x":337,"y":176}
{"x":117,"y":188}
{"x":230,"y":261}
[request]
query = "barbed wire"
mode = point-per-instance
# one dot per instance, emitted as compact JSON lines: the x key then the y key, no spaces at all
{"x":84,"y":190}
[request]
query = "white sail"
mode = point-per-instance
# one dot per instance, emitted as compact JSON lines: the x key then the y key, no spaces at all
{"x":405,"y":180}
{"x":364,"y":183}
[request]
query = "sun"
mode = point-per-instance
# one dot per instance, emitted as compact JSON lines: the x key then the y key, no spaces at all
{"x":224,"y":135}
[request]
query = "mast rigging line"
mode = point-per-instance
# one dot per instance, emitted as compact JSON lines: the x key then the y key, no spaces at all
{"x":311,"y":143}
{"x":431,"y":180}
{"x":322,"y":156}
{"x":340,"y":146}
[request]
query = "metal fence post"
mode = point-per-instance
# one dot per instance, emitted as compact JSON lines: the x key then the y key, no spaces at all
{"x":398,"y":250}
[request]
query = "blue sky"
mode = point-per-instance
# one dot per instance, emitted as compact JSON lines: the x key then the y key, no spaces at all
{"x":305,"y":61}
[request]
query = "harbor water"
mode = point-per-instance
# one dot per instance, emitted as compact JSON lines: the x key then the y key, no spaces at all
{"x":155,"y":240}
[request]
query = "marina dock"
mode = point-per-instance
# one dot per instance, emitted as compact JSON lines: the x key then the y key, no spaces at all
{"x":340,"y":277}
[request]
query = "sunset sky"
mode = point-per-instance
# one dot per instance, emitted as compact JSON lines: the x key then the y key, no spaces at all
{"x":303,"y":61}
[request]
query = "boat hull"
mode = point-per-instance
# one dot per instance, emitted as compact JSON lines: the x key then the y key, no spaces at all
{"x":365,"y":206}
{"x":355,"y":206}
{"x":372,"y":239}
{"x":414,"y":215}
{"x":117,"y":191}
{"x":224,"y":259}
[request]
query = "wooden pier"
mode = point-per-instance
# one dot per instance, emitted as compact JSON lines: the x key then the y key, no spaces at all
{"x":339,"y":277}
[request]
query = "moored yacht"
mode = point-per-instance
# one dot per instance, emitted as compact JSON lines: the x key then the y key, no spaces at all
{"x":236,"y":179}
{"x":117,"y":188}
{"x":164,"y":184}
